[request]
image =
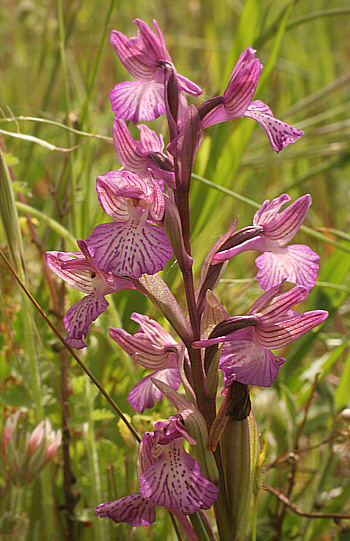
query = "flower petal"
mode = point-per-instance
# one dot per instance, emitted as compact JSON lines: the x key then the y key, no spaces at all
{"x":176,"y":481}
{"x":150,"y":355}
{"x":80,"y":279}
{"x":279,"y":334}
{"x":297,"y":264}
{"x":279,"y":133}
{"x":279,"y":229}
{"x":129,"y":249}
{"x":241,"y":89}
{"x":134,"y":510}
{"x":138,"y":100}
{"x":248,"y":363}
{"x":133,"y":57}
{"x":78,"y":318}
{"x":144,"y":393}
{"x":153,"y":46}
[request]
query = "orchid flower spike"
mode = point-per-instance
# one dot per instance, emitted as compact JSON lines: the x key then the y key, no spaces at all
{"x":145,"y":57}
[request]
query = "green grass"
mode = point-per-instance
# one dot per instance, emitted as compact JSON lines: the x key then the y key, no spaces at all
{"x":58,"y":67}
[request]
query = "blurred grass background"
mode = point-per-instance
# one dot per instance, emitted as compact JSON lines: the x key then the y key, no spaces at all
{"x":56,"y":64}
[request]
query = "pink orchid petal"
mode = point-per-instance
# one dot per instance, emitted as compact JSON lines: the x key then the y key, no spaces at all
{"x":248,"y":363}
{"x":153,"y":331}
{"x":129,"y":249}
{"x":138,"y":100}
{"x":130,"y":153}
{"x":279,"y":307}
{"x":156,"y":200}
{"x":149,"y":141}
{"x":134,"y":510}
{"x":281,"y":333}
{"x":297,"y":264}
{"x":269,"y":210}
{"x":143,"y":351}
{"x":116,"y":187}
{"x":144,"y":393}
{"x":188,"y":86}
{"x":79,"y":317}
{"x":241,"y":89}
{"x":176,"y":481}
{"x":279,"y":133}
{"x":106,"y":186}
{"x":217,"y":115}
{"x":79,"y":279}
{"x":279,"y":229}
{"x":134,"y":59}
{"x":134,"y":155}
{"x":153,"y":46}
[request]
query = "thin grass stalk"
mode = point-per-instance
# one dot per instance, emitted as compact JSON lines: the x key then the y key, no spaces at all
{"x":95,"y":66}
{"x":94,"y":469}
{"x":46,"y":98}
{"x":73,"y":181}
{"x":317,"y":15}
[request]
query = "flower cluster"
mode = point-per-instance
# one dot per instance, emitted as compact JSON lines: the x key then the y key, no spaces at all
{"x":23,"y":461}
{"x":148,"y":203}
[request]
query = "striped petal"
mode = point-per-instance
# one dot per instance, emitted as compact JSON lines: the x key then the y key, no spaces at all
{"x":134,"y":510}
{"x":129,"y":249}
{"x":144,"y":393}
{"x":279,"y":133}
{"x":143,"y":351}
{"x":138,"y":100}
{"x":281,"y":228}
{"x":79,"y":279}
{"x":176,"y":481}
{"x":246,"y":362}
{"x":297,"y":264}
{"x":78,"y":318}
{"x":284,"y":332}
{"x":133,"y":57}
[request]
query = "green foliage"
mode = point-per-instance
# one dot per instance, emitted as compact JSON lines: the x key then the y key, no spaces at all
{"x":58,"y":70}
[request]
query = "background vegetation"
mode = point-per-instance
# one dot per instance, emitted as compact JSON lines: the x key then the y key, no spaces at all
{"x":57,"y":69}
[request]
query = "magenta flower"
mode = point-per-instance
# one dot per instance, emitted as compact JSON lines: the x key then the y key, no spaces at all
{"x":130,"y":246}
{"x":145,"y":57}
{"x":237,"y":102}
{"x":141,"y":156}
{"x":168,"y":476}
{"x":296,"y":263}
{"x":270,"y":323}
{"x":151,"y":347}
{"x":77,"y":269}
